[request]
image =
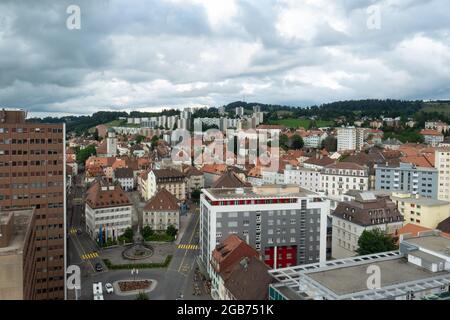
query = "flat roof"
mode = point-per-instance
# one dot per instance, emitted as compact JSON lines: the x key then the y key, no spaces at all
{"x":22,"y":220}
{"x":434,"y":243}
{"x":422,"y":201}
{"x":353,"y":279}
{"x":259,"y":192}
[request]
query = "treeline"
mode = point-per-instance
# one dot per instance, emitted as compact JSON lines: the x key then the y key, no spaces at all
{"x":80,"y":124}
{"x":351,"y":110}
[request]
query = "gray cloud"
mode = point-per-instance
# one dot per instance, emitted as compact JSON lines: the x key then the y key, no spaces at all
{"x":141,"y":54}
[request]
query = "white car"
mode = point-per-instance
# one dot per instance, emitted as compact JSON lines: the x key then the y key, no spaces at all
{"x":109,"y":288}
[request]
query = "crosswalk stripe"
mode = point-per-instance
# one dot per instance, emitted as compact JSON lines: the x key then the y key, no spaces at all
{"x":188,"y":246}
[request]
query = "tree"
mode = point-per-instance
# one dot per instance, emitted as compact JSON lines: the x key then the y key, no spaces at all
{"x":154,"y":141}
{"x":284,"y":140}
{"x":329,"y":144}
{"x":171,"y":231}
{"x":85,"y":153}
{"x":139,"y":139}
{"x":195,"y":195}
{"x":375,"y":241}
{"x":128,"y":234}
{"x":147,"y":232}
{"x":95,"y":135}
{"x":297,"y":142}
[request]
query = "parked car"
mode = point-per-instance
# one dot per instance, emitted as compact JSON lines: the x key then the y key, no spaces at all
{"x":109,"y":288}
{"x":98,"y":267}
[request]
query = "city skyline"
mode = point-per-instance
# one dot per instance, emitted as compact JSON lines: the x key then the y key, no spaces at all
{"x":153,"y":54}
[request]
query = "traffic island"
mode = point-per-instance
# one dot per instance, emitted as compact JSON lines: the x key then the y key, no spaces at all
{"x":134,"y":287}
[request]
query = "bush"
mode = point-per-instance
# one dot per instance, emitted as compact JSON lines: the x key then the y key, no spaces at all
{"x":130,"y":266}
{"x":147,"y":232}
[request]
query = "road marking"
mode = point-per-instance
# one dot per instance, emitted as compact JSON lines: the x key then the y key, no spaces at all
{"x":89,"y":256}
{"x":72,"y":230}
{"x":190,"y":240}
{"x":188,"y":246}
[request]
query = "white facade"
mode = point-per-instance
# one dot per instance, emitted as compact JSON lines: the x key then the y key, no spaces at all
{"x":350,"y":138}
{"x":112,"y":220}
{"x":127,"y":184}
{"x":442,"y":164}
{"x":272,"y":177}
{"x":346,"y":235}
{"x":160,"y":220}
{"x":310,"y":179}
{"x":337,"y":181}
{"x":314,"y":140}
{"x":111,"y":144}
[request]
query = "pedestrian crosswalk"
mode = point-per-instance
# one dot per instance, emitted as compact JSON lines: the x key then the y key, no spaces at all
{"x":89,"y":256}
{"x":72,"y":230}
{"x":188,"y":246}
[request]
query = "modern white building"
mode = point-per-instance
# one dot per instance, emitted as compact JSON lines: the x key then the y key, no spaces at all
{"x":286,"y":224}
{"x":108,"y":211}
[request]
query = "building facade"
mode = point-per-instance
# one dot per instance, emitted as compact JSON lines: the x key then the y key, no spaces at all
{"x":32,"y":175}
{"x":421,"y":211}
{"x":170,"y":179}
{"x":407,"y":177}
{"x":442,"y":164}
{"x":108,"y":211}
{"x":341,"y":177}
{"x":309,"y":179}
{"x":162,"y":211}
{"x":285,"y":224}
{"x":350,"y":138}
{"x":352,"y":218}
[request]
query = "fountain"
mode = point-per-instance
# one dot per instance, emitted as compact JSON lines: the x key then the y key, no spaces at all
{"x":138,"y":250}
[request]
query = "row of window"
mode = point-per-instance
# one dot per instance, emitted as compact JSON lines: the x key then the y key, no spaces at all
{"x":35,"y":130}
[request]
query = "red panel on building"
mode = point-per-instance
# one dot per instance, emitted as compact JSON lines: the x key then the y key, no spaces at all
{"x":287,"y":256}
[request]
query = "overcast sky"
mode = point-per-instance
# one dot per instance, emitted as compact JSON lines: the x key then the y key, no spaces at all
{"x":144,"y":55}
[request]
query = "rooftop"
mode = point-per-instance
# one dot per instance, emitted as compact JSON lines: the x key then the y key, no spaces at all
{"x":420,"y":201}
{"x":261,"y":192}
{"x":21,"y":222}
{"x":431,"y":242}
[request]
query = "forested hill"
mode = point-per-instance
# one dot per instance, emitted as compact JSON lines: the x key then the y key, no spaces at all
{"x":349,"y":109}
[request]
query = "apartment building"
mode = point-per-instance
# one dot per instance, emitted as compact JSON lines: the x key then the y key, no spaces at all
{"x":16,"y":253}
{"x":341,"y":177}
{"x":32,"y":173}
{"x":125,"y":177}
{"x":418,"y":271}
{"x":352,"y":218}
{"x":171,"y":179}
{"x":285,"y":224}
{"x":407,"y":177}
{"x":421,"y":211}
{"x":350,"y":138}
{"x":432,"y":137}
{"x":108,"y":211}
{"x":310,"y":179}
{"x":442,"y":164}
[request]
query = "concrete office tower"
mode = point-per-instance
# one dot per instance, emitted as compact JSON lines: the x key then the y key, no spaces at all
{"x":350,"y":138}
{"x":240,"y":111}
{"x":286,"y":224}
{"x":111,"y":143}
{"x":32,"y":175}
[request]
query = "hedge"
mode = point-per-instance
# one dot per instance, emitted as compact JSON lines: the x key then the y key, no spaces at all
{"x":111,"y":266}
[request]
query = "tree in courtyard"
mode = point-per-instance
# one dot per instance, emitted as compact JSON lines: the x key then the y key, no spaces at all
{"x":195,"y":195}
{"x":128,"y":234}
{"x":85,"y":153}
{"x":375,"y":241}
{"x":329,"y":144}
{"x":147,"y":232}
{"x":171,"y":231}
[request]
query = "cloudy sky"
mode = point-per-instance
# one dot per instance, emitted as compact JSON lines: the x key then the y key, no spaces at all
{"x":144,"y":54}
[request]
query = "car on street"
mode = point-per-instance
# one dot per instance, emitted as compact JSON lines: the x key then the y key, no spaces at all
{"x":98,"y":267}
{"x":109,"y":288}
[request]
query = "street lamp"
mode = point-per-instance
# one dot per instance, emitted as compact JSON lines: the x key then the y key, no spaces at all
{"x":134,"y":273}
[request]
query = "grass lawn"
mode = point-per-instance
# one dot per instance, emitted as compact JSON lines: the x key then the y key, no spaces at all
{"x":440,"y":107}
{"x":160,"y":237}
{"x":297,"y":123}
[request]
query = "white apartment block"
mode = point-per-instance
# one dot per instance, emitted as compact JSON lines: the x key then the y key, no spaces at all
{"x":272,"y":177}
{"x":309,"y":179}
{"x":442,"y":164}
{"x":341,"y":177}
{"x":350,"y":138}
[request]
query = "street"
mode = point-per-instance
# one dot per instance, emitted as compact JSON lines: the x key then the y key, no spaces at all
{"x":175,"y":280}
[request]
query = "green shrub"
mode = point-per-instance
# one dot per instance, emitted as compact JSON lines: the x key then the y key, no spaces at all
{"x":130,"y":266}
